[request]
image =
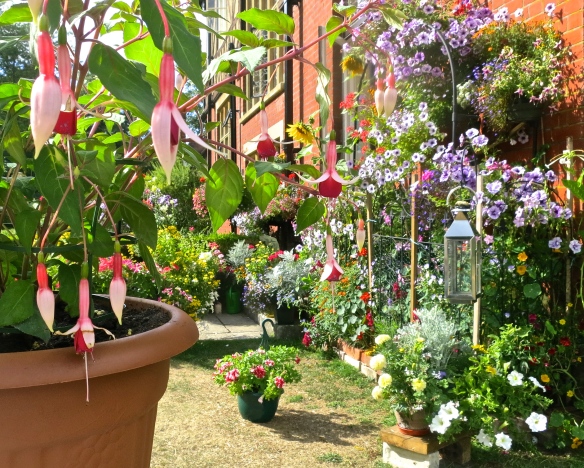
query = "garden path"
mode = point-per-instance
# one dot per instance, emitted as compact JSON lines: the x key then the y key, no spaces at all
{"x":228,"y":327}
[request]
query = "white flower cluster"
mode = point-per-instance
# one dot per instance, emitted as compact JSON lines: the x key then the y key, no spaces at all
{"x":447,"y":413}
{"x":536,"y":422}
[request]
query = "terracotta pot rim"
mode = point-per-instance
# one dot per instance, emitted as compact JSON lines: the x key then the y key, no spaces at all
{"x":52,"y":366}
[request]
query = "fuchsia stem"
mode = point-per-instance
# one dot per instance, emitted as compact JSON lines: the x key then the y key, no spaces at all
{"x":163,"y":16}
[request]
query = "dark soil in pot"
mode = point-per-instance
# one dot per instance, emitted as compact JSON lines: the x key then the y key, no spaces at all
{"x":134,"y":321}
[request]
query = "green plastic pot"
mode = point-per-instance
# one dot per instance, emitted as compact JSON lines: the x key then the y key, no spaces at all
{"x":252,"y":410}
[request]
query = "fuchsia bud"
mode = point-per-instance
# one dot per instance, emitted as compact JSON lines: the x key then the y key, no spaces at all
{"x":117,"y":289}
{"x":45,"y":97}
{"x":67,"y":121}
{"x":266,"y":148}
{"x":379,"y":97}
{"x":332,"y":270}
{"x":45,"y":296}
{"x":360,"y":234}
{"x":390,"y":97}
{"x":166,"y":118}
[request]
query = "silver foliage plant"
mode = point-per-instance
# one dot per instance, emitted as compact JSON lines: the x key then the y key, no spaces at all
{"x":441,"y":336}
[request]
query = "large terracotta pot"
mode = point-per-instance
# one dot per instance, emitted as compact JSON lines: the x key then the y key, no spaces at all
{"x":413,"y":424}
{"x":46,"y":422}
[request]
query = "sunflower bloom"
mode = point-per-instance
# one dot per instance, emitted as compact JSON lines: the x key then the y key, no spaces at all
{"x":353,"y":65}
{"x":300,"y":132}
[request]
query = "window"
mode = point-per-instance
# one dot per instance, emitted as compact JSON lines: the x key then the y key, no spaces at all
{"x":267,"y":82}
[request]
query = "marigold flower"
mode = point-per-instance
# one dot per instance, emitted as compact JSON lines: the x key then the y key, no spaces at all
{"x":521,"y":269}
{"x":522,"y":257}
{"x":545,"y":378}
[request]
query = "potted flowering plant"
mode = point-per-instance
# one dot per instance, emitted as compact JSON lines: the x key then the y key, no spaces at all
{"x":419,"y":365}
{"x":257,"y":378}
{"x":522,"y":69}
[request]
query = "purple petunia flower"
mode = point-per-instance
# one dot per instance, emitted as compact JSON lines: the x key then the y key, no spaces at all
{"x":480,"y":140}
{"x":555,"y":243}
{"x":549,"y":9}
{"x":494,"y":212}
{"x":494,"y":187}
{"x":575,"y":246}
{"x":471,"y":133}
{"x":550,"y":176}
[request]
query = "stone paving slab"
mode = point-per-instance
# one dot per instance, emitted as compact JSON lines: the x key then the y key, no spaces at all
{"x":228,"y":327}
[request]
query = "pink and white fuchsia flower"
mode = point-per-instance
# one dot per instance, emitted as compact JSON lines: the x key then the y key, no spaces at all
{"x":167,"y":120}
{"x":45,"y":97}
{"x":117,"y":289}
{"x":332,"y":270}
{"x":45,"y":297}
{"x":67,"y":122}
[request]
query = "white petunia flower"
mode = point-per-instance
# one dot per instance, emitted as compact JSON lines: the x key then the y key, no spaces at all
{"x":449,"y":411}
{"x":536,"y":422}
{"x":503,"y":440}
{"x":484,"y":439}
{"x":439,"y":424}
{"x":536,"y":383}
{"x":515,"y":379}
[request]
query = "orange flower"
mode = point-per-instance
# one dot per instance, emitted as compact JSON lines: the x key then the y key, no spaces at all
{"x":522,"y":257}
{"x":521,"y":269}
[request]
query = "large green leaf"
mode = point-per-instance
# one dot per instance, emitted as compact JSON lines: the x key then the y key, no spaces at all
{"x":52,"y":182}
{"x":268,"y":20}
{"x":322,"y":97}
{"x":223,"y":191}
{"x":16,"y":303}
{"x":17,"y":13}
{"x":331,"y":24}
{"x":262,"y":188}
{"x":122,"y":79}
{"x":576,"y":187}
{"x":35,"y":326}
{"x":307,"y":168}
{"x":186,"y":46}
{"x":26,"y":224}
{"x":137,"y":215}
{"x":102,"y":244}
{"x":150,"y":264}
{"x":233,"y":90}
{"x":263,"y":167}
{"x":250,"y":58}
{"x":102,"y":168}
{"x":69,"y":277}
{"x":311,"y":211}
{"x":11,"y":139}
{"x":245,"y":37}
{"x":393,"y":17}
{"x":532,"y":290}
{"x":144,"y":50}
{"x":194,"y":158}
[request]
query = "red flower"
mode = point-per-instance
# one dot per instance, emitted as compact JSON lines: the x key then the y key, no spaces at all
{"x":306,"y":340}
{"x":552,"y":351}
{"x":532,"y":318}
{"x":365,"y":297}
{"x":565,"y":341}
{"x":369,"y":319}
{"x":297,"y":360}
{"x":362,"y":252}
{"x":258,"y":371}
{"x":279,"y":382}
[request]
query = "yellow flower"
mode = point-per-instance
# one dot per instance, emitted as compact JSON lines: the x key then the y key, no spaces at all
{"x":479,"y":347}
{"x":352,"y":64}
{"x":420,"y":339}
{"x":418,"y":385}
{"x":579,"y":359}
{"x":522,"y":257}
{"x":521,"y":269}
{"x":570,"y":305}
{"x":545,"y":378}
{"x":491,"y":370}
{"x":300,"y":132}
{"x":569,"y":393}
{"x":385,"y":380}
{"x":562,"y":322}
{"x":576,"y":443}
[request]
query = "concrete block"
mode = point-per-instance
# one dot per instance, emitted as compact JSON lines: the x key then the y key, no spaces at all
{"x":367,"y":371}
{"x":401,"y":458}
{"x":352,"y":361}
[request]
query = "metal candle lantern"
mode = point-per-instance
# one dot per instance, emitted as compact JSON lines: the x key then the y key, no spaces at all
{"x":462,"y":258}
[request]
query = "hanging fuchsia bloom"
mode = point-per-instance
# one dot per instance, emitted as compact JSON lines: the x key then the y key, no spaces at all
{"x":83,"y":331}
{"x":45,"y":97}
{"x":266,"y":148}
{"x":379,"y":97}
{"x":117,"y":289}
{"x":332,"y":270}
{"x":45,"y":296}
{"x":166,"y":118}
{"x":360,"y":233}
{"x":331,"y":183}
{"x":390,"y":96}
{"x":67,"y":121}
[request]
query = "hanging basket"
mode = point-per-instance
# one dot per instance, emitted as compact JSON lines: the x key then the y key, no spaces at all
{"x":524,"y":112}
